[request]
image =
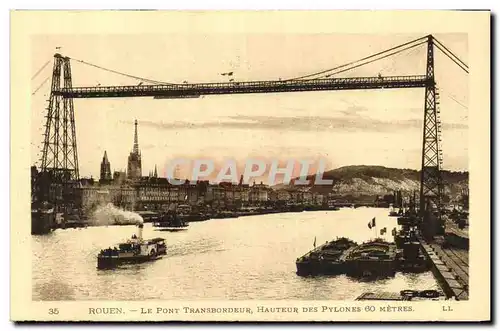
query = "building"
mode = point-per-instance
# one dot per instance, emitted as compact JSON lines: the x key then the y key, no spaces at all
{"x":119,"y":177}
{"x":259,"y":194}
{"x":124,"y":196}
{"x":134,"y":164}
{"x":283,"y":195}
{"x":318,"y":199}
{"x":154,"y":193}
{"x":105,"y":169}
{"x":216,"y":196}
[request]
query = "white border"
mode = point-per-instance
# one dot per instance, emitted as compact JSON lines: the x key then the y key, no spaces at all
{"x":185,"y":4}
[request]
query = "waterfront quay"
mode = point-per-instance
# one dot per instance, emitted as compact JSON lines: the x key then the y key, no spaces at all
{"x":449,"y":258}
{"x":150,"y":196}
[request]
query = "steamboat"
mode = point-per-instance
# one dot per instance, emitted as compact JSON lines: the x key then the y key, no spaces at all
{"x":133,"y":251}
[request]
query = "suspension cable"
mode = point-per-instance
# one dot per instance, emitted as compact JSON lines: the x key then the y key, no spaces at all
{"x":124,"y":74}
{"x":452,"y":97}
{"x":363,"y":59}
{"x":466,"y":69}
{"x":40,"y":70}
{"x":40,"y":86}
{"x":332,"y":71}
{"x":390,"y":66}
{"x":455,"y":56}
{"x":374,"y":60}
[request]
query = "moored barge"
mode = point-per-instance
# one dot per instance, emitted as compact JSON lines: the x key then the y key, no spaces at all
{"x":376,"y":258}
{"x":170,"y":222}
{"x":327,"y":259}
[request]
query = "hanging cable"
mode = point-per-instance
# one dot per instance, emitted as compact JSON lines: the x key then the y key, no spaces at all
{"x":466,"y":69}
{"x":40,"y":70}
{"x":124,"y":74}
{"x":456,"y":57}
{"x":363,"y":59}
{"x":452,"y":97}
{"x":458,"y":102}
{"x":392,"y":64}
{"x":377,"y":59}
{"x":40,"y":86}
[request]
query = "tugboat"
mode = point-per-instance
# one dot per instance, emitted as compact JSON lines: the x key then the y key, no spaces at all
{"x":42,"y":221}
{"x":412,"y":257}
{"x":171,"y":222}
{"x":376,"y":258}
{"x":44,"y":218}
{"x":134,"y":250}
{"x":326,"y":259}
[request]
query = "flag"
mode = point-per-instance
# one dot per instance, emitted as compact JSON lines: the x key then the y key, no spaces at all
{"x":314,"y":244}
{"x":373,"y":222}
{"x":383,"y":231}
{"x":394,"y":232}
{"x":370,"y":225}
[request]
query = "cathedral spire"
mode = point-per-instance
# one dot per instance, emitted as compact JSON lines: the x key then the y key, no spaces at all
{"x":156,"y":172}
{"x":136,"y":140}
{"x":134,"y":166}
{"x":105,"y":168}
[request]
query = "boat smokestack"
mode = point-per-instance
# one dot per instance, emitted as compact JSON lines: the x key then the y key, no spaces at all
{"x":139,"y":231}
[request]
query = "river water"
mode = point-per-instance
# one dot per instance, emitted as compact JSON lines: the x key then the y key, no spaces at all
{"x":239,"y":259}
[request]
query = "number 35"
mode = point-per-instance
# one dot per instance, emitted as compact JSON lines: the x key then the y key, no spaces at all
{"x":53,"y":311}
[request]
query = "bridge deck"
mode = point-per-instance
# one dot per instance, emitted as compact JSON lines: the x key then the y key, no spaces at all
{"x":194,"y":90}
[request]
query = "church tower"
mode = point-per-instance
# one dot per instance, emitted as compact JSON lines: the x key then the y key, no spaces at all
{"x":134,"y":166}
{"x":105,"y":168}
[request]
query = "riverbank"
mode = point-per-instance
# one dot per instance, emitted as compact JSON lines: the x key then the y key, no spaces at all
{"x":151,"y":216}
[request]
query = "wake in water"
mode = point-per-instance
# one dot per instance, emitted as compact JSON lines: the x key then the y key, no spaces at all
{"x":111,"y":215}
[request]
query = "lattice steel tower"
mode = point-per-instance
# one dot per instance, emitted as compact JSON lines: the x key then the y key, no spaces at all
{"x":431,"y":183}
{"x":59,"y":154}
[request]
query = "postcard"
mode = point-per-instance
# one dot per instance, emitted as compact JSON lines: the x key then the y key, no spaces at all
{"x":250,"y":166}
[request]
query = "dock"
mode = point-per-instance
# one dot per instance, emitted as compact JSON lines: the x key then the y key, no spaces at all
{"x":394,"y":296}
{"x":385,"y":296}
{"x":450,"y":266}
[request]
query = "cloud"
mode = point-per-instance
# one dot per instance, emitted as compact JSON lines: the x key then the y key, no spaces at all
{"x":147,"y":146}
{"x":353,"y":119}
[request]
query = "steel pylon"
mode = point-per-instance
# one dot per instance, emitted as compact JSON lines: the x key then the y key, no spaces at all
{"x":431,"y":183}
{"x":59,"y":153}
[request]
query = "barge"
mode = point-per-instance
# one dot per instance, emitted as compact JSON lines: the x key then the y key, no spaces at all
{"x":170,"y":222}
{"x":135,"y":250}
{"x":327,"y":259}
{"x":376,"y":258}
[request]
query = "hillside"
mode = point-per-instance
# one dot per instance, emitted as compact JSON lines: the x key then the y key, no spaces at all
{"x":369,"y":180}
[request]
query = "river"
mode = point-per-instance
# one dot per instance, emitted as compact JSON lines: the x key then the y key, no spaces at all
{"x":246,"y":258}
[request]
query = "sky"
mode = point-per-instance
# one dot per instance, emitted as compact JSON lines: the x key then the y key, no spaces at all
{"x":373,"y":127}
